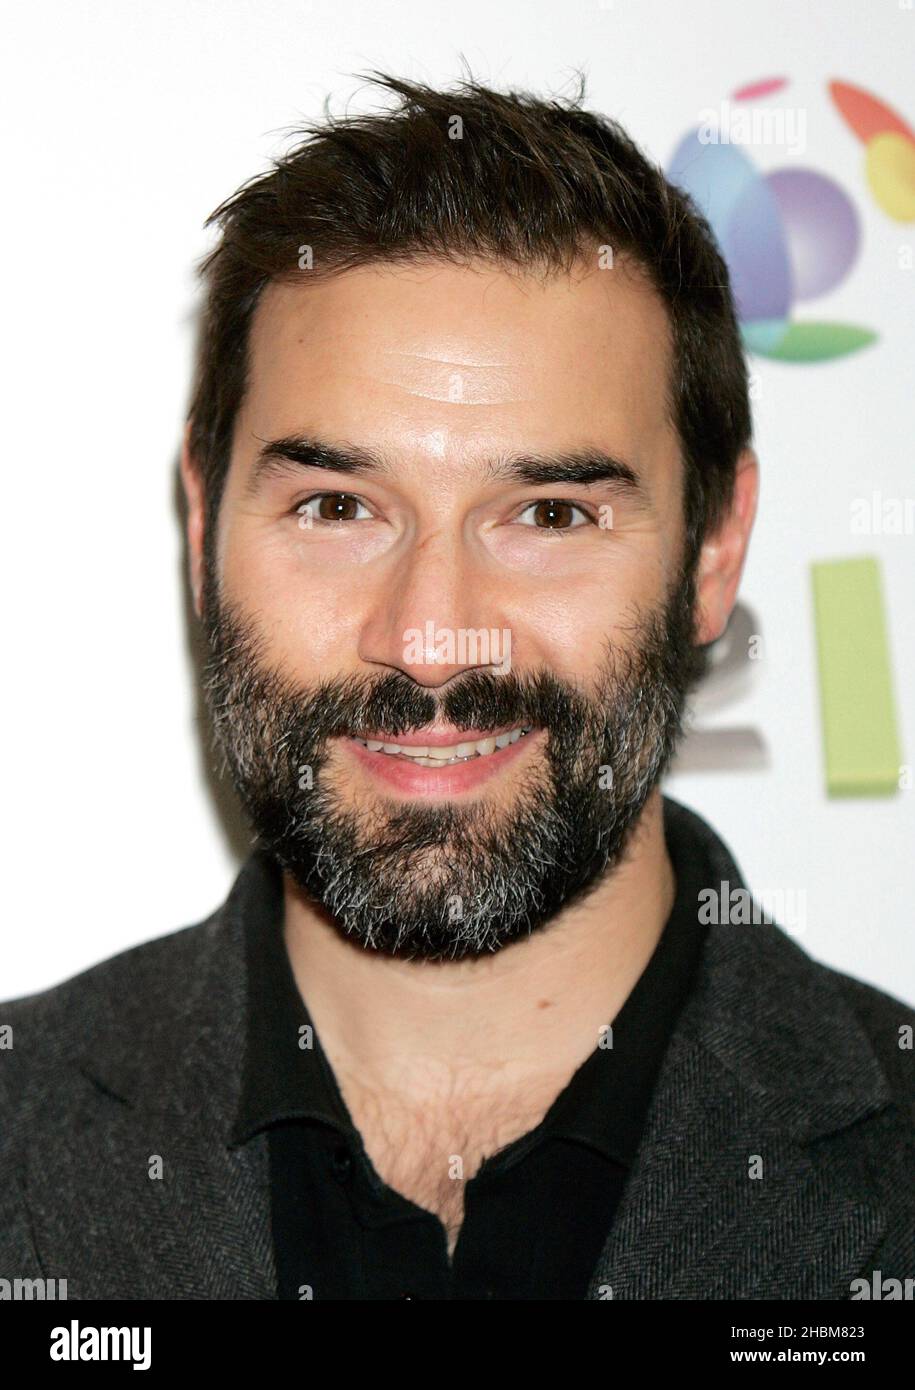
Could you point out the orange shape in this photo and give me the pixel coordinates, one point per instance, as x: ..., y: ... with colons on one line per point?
x: 866, y: 115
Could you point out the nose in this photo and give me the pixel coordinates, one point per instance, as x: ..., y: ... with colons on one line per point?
x: 436, y: 616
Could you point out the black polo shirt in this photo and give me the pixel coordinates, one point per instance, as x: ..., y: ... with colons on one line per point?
x: 536, y: 1213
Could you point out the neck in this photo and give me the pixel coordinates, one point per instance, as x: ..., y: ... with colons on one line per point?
x: 528, y: 1012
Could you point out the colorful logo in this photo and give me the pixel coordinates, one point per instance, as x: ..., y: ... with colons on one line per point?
x: 792, y: 235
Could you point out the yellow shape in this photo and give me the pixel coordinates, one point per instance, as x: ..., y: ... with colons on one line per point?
x: 890, y: 166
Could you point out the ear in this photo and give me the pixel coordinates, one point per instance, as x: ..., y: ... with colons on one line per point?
x: 723, y: 552
x: 194, y: 492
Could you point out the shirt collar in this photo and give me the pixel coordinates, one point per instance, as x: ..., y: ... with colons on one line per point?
x: 287, y: 1075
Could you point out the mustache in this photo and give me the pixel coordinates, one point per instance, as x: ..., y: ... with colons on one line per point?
x: 238, y: 673
x: 394, y: 704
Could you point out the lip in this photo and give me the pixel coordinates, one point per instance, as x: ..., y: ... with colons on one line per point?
x: 399, y: 775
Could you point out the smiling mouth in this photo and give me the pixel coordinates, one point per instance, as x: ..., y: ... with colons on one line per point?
x: 438, y: 756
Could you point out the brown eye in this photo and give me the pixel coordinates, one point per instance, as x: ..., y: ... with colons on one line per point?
x: 330, y: 507
x: 337, y: 506
x: 553, y: 514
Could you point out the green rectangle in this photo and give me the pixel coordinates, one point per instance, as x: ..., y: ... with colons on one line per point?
x: 860, y: 731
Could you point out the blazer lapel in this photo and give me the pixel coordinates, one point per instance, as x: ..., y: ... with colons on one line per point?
x: 150, y: 1176
x: 729, y: 1197
x: 201, y: 1231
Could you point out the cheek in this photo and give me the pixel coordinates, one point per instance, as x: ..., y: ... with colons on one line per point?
x: 565, y: 620
x: 566, y: 635
x: 303, y: 596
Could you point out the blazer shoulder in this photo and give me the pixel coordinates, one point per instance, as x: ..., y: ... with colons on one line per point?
x: 47, y: 1031
x: 889, y: 1023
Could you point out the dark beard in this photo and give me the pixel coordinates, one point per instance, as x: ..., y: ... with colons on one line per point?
x: 451, y: 881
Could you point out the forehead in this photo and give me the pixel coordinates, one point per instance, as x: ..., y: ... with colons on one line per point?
x: 463, y: 354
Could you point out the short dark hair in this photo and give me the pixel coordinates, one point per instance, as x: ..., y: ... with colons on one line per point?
x: 470, y: 172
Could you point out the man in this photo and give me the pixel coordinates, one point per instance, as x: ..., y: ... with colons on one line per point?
x: 470, y: 489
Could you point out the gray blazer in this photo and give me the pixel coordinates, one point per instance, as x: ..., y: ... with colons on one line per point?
x: 774, y: 1058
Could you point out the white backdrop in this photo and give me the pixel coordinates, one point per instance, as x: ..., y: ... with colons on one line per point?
x: 125, y: 123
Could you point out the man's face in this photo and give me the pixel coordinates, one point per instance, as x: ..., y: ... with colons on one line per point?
x: 505, y: 557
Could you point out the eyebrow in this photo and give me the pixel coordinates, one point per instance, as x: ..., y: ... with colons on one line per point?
x: 584, y: 467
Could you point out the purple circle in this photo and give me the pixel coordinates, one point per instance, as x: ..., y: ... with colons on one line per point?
x: 821, y: 229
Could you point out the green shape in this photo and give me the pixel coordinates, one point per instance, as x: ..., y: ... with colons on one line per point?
x: 813, y: 342
x: 860, y: 733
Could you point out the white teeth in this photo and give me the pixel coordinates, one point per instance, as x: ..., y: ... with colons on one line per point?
x: 441, y: 757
